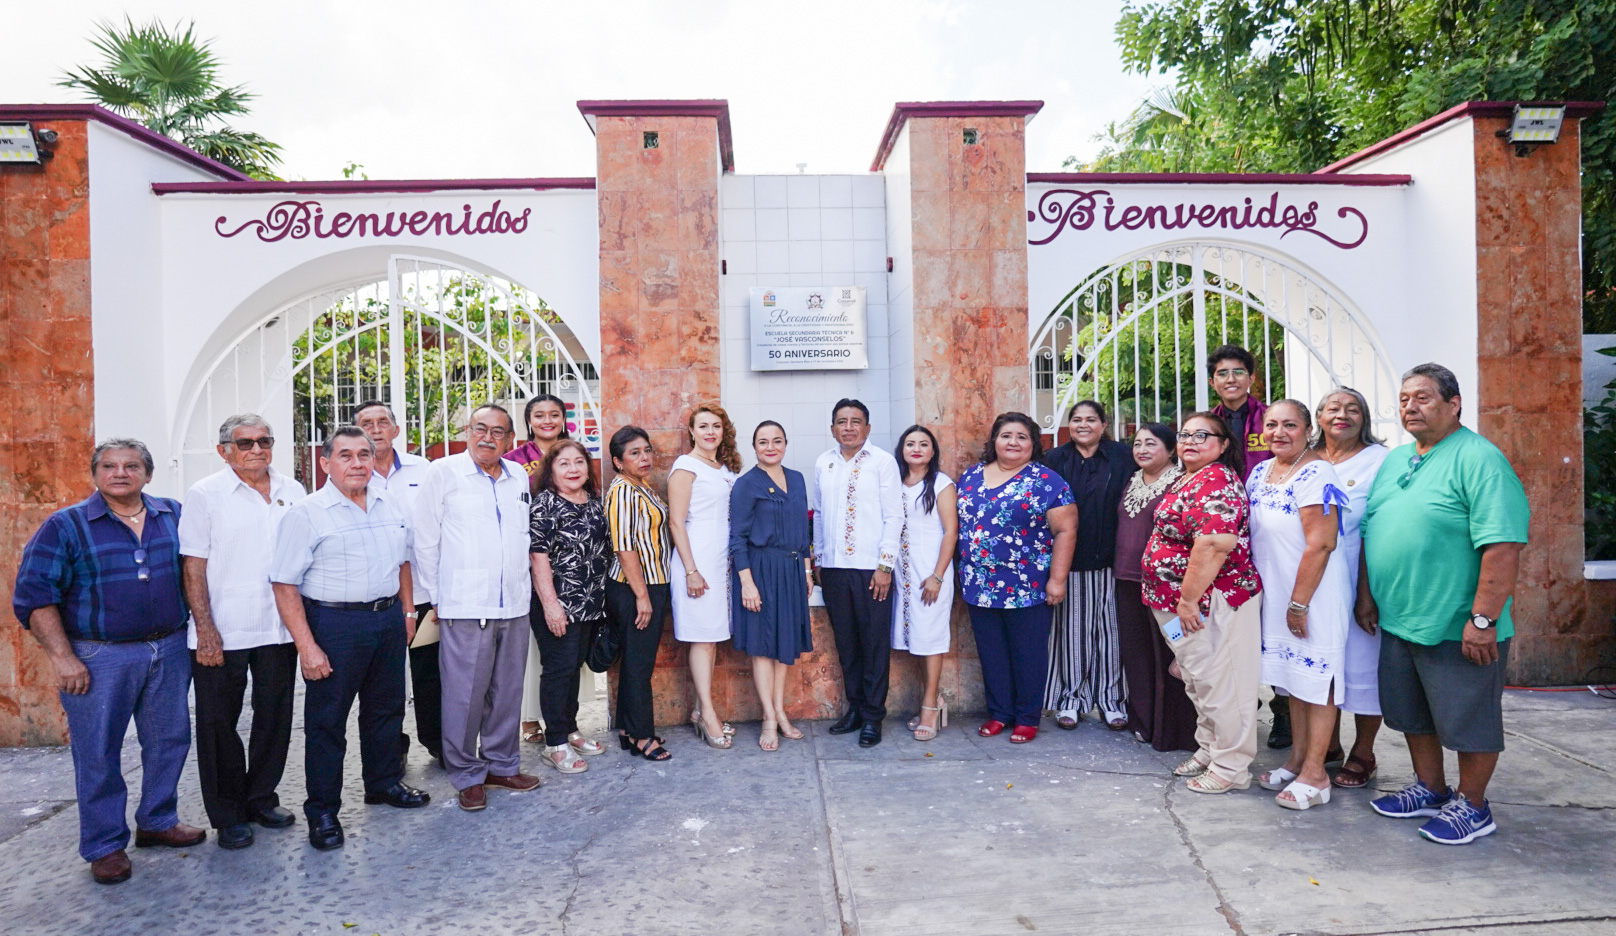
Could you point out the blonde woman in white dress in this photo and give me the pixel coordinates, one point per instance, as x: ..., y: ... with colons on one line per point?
x: 698, y: 504
x: 923, y: 581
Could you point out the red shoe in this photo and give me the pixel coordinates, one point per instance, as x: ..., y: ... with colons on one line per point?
x: 1023, y: 734
x: 990, y: 728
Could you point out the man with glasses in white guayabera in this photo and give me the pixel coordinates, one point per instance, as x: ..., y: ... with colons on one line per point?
x: 227, y: 536
x: 471, y: 563
x: 1442, y: 537
x: 99, y: 586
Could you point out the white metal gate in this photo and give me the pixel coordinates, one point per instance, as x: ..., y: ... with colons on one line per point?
x: 1135, y: 335
x: 432, y: 340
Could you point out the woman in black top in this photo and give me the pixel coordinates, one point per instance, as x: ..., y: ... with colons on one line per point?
x: 570, y: 555
x: 1085, y: 668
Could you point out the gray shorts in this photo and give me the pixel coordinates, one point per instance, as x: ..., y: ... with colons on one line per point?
x: 1435, y: 690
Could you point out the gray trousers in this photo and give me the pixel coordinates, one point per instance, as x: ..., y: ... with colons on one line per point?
x: 483, y: 663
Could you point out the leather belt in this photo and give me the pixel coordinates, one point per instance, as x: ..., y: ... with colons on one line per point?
x: 380, y: 604
x: 159, y: 635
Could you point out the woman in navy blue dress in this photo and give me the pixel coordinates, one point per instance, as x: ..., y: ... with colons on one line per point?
x: 768, y: 544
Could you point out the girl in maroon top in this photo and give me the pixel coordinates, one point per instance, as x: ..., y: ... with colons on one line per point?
x: 1198, y: 580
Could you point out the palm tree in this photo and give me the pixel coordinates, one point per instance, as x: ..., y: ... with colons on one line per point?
x: 168, y: 80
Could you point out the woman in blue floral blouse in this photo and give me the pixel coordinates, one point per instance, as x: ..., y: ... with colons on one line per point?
x: 1017, y: 529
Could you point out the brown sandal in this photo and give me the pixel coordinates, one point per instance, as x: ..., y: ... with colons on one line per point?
x: 1355, y: 773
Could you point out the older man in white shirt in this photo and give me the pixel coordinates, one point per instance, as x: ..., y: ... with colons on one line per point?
x: 858, y: 516
x: 401, y: 474
x: 471, y: 558
x: 341, y: 574
x: 227, y: 538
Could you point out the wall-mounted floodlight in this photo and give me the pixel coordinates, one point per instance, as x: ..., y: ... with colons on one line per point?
x: 17, y: 145
x: 1534, y: 125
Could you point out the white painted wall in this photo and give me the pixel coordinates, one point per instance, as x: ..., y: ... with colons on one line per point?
x: 901, y: 283
x: 171, y: 292
x: 803, y: 230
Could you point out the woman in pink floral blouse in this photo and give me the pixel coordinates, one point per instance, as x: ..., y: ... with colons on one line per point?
x: 1200, y: 583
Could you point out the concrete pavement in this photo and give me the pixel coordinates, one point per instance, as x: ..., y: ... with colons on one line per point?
x: 1079, y: 832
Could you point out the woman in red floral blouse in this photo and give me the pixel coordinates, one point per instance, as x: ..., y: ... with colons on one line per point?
x: 1199, y: 582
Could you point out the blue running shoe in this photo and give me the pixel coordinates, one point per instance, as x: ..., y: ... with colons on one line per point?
x: 1416, y: 799
x: 1460, y: 822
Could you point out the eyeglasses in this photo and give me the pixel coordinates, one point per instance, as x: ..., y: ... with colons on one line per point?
x: 247, y: 445
x: 141, y: 571
x: 1236, y: 373
x: 492, y: 432
x: 1199, y: 436
x: 1414, y: 463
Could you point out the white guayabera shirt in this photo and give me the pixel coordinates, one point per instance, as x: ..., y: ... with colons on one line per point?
x: 472, y: 540
x: 858, y: 509
x: 228, y: 523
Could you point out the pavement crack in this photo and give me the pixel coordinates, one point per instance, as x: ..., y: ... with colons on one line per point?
x: 1152, y: 774
x: 1471, y: 926
x: 1500, y: 802
x: 1230, y: 915
x: 1553, y: 749
x: 574, y: 860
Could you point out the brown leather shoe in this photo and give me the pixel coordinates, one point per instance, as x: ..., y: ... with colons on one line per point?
x: 179, y: 835
x: 516, y: 783
x: 111, y: 869
x: 473, y: 798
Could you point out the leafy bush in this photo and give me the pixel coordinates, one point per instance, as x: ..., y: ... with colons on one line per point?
x: 1599, y: 478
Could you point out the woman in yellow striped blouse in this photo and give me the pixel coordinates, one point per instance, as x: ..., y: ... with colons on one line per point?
x: 637, y: 594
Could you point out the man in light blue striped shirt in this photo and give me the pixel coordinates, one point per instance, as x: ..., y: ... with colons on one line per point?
x: 341, y: 574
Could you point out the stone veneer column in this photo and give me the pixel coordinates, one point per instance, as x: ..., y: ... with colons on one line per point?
x: 659, y: 306
x: 1529, y: 348
x: 47, y: 382
x: 968, y: 223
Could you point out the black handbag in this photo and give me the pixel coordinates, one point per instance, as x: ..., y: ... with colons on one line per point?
x: 603, y: 645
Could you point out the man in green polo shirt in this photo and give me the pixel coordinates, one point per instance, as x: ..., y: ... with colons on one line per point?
x: 1442, y: 532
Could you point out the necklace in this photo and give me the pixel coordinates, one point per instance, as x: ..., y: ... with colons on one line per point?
x: 710, y: 462
x: 127, y: 517
x: 1339, y: 458
x: 1288, y: 468
x: 1140, y: 493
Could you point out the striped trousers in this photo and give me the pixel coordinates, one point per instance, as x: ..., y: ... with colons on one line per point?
x: 1085, y: 663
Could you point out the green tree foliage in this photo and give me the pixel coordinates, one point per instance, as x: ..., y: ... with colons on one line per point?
x: 168, y: 80
x: 1599, y: 478
x: 1291, y: 86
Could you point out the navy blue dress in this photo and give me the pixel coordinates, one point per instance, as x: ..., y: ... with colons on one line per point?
x: 768, y: 533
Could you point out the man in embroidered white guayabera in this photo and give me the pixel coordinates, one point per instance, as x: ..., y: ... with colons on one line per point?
x: 858, y: 516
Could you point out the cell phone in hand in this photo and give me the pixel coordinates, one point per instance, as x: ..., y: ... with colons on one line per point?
x: 1173, y: 630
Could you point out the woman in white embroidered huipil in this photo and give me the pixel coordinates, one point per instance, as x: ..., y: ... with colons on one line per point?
x: 1296, y: 503
x: 923, y: 580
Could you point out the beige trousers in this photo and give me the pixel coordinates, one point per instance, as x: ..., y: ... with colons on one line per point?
x: 1222, y: 667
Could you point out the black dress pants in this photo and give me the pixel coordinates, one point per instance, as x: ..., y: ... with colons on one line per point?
x: 366, y: 651
x: 863, y: 629
x: 635, y: 713
x: 238, y: 782
x: 427, y: 688
x: 561, y: 662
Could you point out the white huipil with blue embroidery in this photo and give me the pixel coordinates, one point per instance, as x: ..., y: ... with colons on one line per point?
x: 1306, y: 667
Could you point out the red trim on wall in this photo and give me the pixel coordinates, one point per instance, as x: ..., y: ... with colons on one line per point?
x: 903, y: 110
x: 37, y: 113
x: 364, y: 186
x: 716, y: 108
x: 1575, y: 110
x: 1218, y: 178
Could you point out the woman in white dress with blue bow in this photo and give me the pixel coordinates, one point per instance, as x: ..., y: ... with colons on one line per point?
x: 1296, y: 503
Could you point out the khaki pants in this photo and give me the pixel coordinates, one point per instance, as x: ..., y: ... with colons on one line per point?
x: 1222, y: 668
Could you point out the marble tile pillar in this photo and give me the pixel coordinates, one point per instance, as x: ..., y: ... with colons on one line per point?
x: 47, y: 380
x: 1529, y: 330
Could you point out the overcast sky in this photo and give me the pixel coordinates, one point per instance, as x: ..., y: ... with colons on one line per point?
x: 417, y: 90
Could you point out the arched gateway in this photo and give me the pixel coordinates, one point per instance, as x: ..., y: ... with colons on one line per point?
x: 1135, y: 333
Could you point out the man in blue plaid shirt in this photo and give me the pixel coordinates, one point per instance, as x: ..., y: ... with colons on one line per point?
x: 99, y: 586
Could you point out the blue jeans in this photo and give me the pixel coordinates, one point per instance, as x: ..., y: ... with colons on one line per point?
x: 147, y: 680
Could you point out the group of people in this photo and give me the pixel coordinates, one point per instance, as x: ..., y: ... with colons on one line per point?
x: 1097, y: 579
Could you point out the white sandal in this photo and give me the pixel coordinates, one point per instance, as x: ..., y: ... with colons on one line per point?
x: 1192, y: 766
x: 1303, y: 795
x: 586, y: 746
x: 562, y: 758
x: 1276, y: 779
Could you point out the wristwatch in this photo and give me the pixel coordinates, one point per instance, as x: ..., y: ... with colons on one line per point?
x: 1482, y: 621
x: 883, y: 567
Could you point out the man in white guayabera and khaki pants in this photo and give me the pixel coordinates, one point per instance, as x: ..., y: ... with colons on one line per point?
x: 471, y: 550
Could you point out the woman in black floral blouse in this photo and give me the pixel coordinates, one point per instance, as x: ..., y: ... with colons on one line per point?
x: 570, y: 555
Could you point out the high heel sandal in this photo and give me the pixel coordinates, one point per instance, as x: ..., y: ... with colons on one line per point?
x: 794, y: 733
x: 726, y: 727
x: 764, y: 742
x: 723, y: 742
x: 660, y: 754
x: 924, y: 732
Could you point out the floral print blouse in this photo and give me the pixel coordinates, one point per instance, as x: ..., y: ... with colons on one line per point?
x: 1005, y: 542
x: 574, y: 536
x: 1212, y: 501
